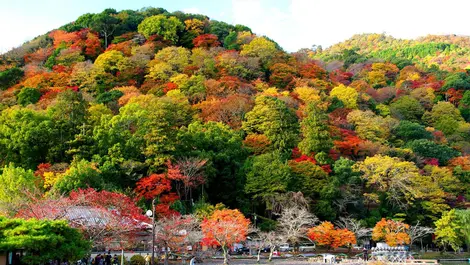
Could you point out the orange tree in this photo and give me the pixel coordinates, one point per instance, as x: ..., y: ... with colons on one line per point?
x: 326, y: 234
x: 392, y: 232
x: 224, y: 228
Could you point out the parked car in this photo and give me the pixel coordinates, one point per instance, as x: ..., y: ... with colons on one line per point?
x: 242, y: 250
x: 266, y: 249
x: 307, y: 247
x: 285, y: 247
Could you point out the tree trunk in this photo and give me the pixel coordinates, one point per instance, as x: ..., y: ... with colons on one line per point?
x: 259, y: 253
x: 271, y: 254
x: 224, y: 248
x: 105, y: 39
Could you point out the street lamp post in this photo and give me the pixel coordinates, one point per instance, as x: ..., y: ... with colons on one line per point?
x: 151, y: 213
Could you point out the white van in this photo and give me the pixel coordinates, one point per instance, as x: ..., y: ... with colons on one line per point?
x: 307, y: 247
x: 284, y: 247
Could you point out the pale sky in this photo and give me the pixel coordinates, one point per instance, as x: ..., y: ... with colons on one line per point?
x: 294, y: 24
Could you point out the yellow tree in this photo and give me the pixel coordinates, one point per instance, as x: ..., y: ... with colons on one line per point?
x: 390, y: 176
x: 347, y: 95
x: 308, y: 94
x: 370, y: 126
x: 260, y: 47
x: 112, y: 62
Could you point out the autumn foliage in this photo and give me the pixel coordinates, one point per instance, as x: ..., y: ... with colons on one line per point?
x: 115, y: 215
x: 206, y: 41
x: 224, y: 228
x: 187, y: 111
x: 392, y: 232
x: 326, y: 234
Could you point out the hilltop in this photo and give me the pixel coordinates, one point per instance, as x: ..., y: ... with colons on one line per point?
x: 132, y: 101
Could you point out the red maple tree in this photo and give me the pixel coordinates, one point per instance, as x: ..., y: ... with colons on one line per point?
x: 224, y: 228
x: 102, y: 216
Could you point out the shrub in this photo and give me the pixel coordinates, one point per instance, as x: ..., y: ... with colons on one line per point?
x: 28, y: 96
x: 137, y: 260
x: 10, y: 77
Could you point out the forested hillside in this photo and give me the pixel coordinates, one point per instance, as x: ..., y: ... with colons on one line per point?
x: 195, y: 111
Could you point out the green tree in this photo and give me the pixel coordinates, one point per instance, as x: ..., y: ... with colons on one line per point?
x: 448, y: 230
x: 15, y: 182
x: 407, y: 108
x: 67, y: 113
x: 28, y: 96
x: 84, y: 21
x: 10, y: 77
x: 167, y: 27
x: 273, y: 118
x: 408, y: 131
x: 308, y: 178
x: 464, y: 221
x: 429, y: 149
x: 222, y: 148
x: 464, y: 105
x: 109, y: 96
x: 81, y: 174
x: 343, y: 171
x: 458, y: 80
x: 444, y: 116
x: 266, y: 175
x: 315, y: 132
x: 26, y: 137
x: 230, y: 41
x: 194, y: 88
x: 145, y: 128
x: 42, y: 240
x: 220, y: 29
x: 105, y: 23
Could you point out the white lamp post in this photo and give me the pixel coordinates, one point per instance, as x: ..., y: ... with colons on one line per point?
x: 150, y: 213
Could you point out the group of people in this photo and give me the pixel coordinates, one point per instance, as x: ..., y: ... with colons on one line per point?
x: 102, y: 259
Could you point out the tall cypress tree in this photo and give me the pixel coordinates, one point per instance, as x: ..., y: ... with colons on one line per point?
x: 314, y: 128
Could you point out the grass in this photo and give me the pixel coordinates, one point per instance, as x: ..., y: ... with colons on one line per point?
x: 443, y: 255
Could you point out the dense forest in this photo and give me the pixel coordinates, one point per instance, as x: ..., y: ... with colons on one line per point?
x: 197, y: 112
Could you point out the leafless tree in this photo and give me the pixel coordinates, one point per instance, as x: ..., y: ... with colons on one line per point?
x: 294, y: 222
x: 194, y: 234
x: 354, y: 226
x: 191, y: 168
x: 278, y: 202
x: 416, y: 232
x: 171, y: 232
x: 271, y: 240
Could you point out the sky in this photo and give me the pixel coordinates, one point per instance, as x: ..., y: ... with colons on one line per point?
x: 294, y: 24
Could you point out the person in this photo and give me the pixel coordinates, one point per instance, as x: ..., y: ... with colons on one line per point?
x: 147, y: 259
x: 98, y: 259
x: 115, y: 260
x: 107, y: 260
x: 365, y: 254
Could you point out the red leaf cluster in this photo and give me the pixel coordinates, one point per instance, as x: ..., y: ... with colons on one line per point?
x: 206, y: 41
